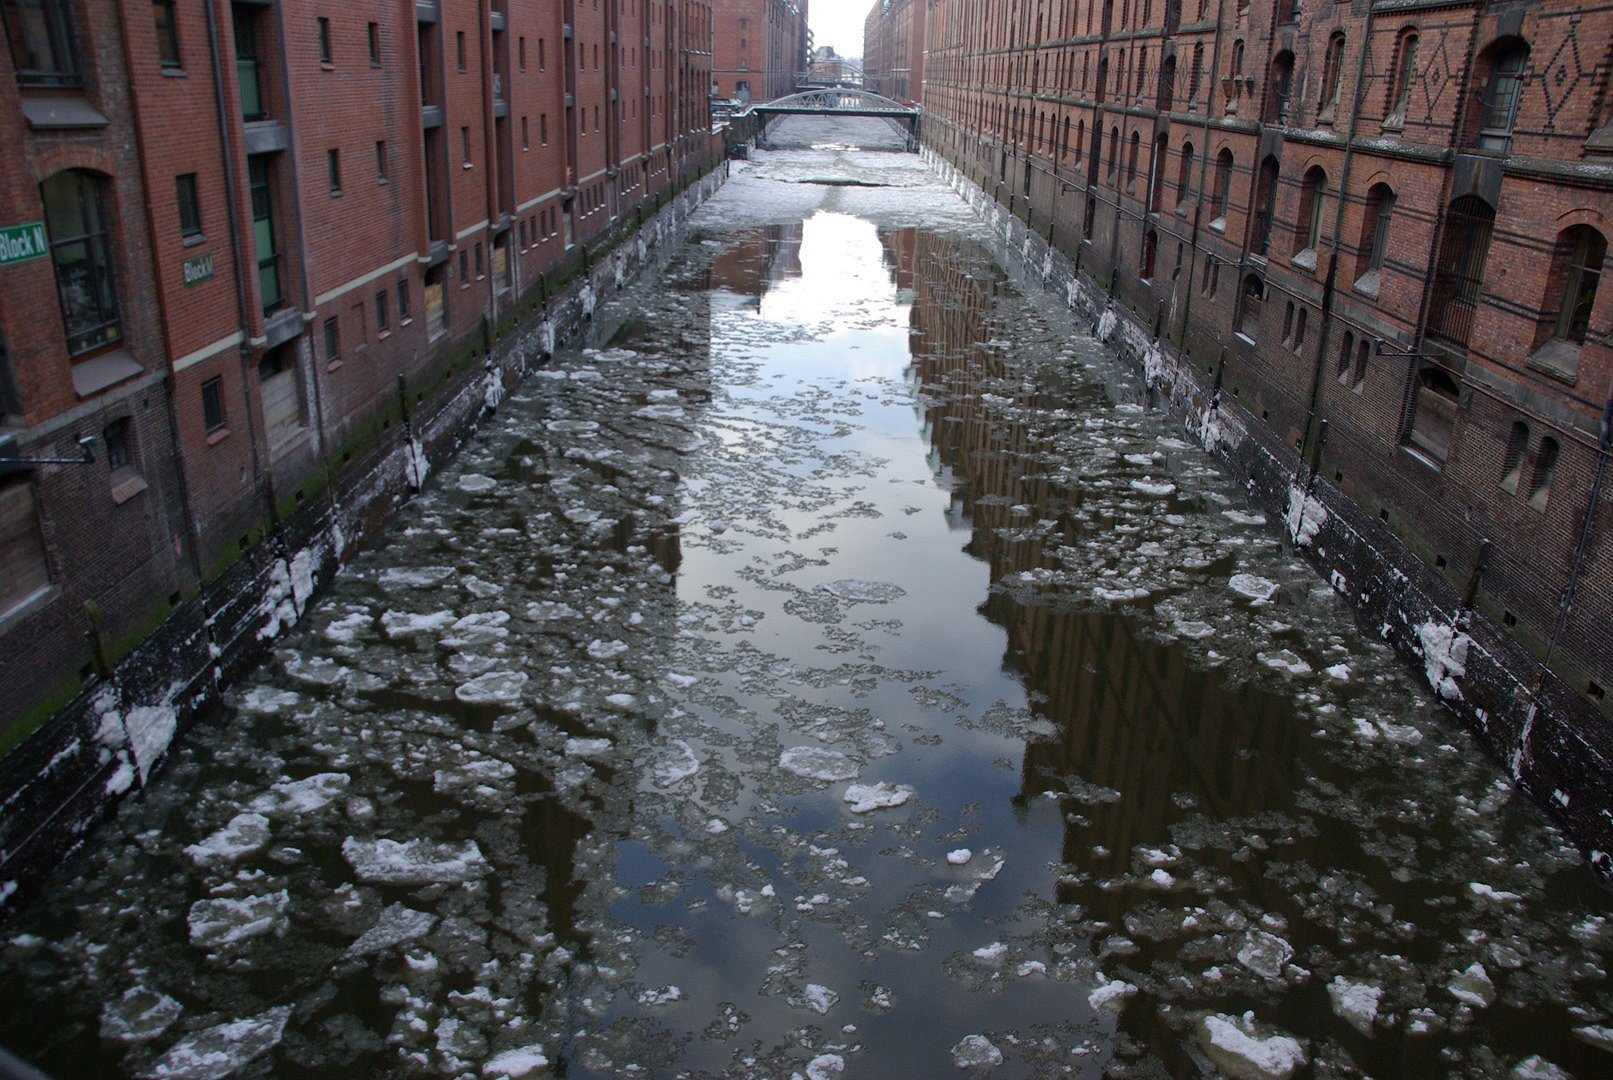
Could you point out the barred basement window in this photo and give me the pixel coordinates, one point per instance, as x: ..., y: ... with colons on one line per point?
x: 116, y: 437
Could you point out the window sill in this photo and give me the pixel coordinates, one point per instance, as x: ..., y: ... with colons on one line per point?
x: 326, y: 65
x: 1425, y: 457
x: 336, y: 193
x: 101, y: 372
x: 383, y: 335
x: 1245, y: 338
x: 466, y: 165
x: 193, y: 240
x: 217, y: 436
x: 1305, y: 258
x: 174, y: 73
x: 1367, y: 284
x: 334, y: 365
x: 1557, y: 358
x: 382, y: 181
x: 127, y: 488
x: 1219, y: 224
x: 26, y: 606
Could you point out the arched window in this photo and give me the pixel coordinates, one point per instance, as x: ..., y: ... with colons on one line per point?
x: 1254, y: 299
x: 1545, y: 471
x: 1405, y: 66
x: 1308, y: 224
x: 1577, y: 265
x: 1433, y: 423
x: 1332, y: 78
x: 1459, y: 271
x: 1375, y: 237
x: 1346, y: 354
x: 1265, y: 206
x: 1156, y: 173
x: 1184, y: 178
x: 1150, y: 253
x: 1195, y: 77
x: 1282, y: 79
x: 1114, y: 151
x: 76, y: 222
x: 1501, y: 93
x: 1512, y: 464
x: 1167, y: 84
x: 1131, y: 158
x: 1223, y: 187
x: 1080, y: 139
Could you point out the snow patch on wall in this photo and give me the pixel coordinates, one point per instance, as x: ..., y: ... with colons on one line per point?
x: 1444, y: 650
x: 1305, y: 515
x: 416, y: 464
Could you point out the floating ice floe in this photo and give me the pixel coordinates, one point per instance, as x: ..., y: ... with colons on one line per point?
x: 825, y: 1066
x: 413, y: 862
x: 244, y: 834
x: 222, y: 1049
x: 975, y: 1051
x: 1111, y: 995
x: 866, y: 592
x: 1472, y: 986
x: 817, y: 763
x: 1355, y: 1003
x: 1154, y: 487
x: 227, y: 921
x: 676, y: 763
x: 587, y: 748
x: 1258, y: 589
x: 1240, y: 1051
x: 515, y: 1064
x: 396, y: 925
x: 140, y: 1015
x: 476, y: 483
x: 660, y: 995
x: 293, y: 798
x: 959, y: 856
x: 404, y: 624
x: 493, y: 688
x: 1265, y: 954
x: 815, y: 997
x: 1535, y: 1067
x: 880, y: 796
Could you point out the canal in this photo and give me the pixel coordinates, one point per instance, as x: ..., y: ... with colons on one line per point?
x: 838, y: 670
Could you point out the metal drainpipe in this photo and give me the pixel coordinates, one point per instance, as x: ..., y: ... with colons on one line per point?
x: 1329, y: 289
x: 232, y: 194
x: 1606, y: 436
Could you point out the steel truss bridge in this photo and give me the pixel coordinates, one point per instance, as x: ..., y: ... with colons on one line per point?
x: 840, y: 102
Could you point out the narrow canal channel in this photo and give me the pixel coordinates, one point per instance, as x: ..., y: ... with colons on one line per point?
x: 839, y: 671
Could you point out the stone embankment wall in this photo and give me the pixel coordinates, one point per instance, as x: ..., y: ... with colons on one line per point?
x: 109, y: 742
x: 1554, y: 744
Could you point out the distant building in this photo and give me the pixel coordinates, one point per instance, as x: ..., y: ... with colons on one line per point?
x: 759, y: 47
x: 827, y: 67
x: 229, y: 230
x: 894, y: 49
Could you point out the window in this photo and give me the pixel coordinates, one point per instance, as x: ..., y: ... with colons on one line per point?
x: 1433, y: 423
x: 464, y: 268
x: 324, y: 41
x: 520, y: 53
x: 1459, y: 270
x: 333, y: 340
x: 541, y: 65
x: 190, y: 205
x: 1131, y: 159
x: 333, y: 164
x: 1266, y: 206
x: 1184, y: 179
x: 374, y: 33
x: 1312, y: 194
x: 76, y: 223
x: 1512, y: 464
x: 1501, y: 94
x: 380, y: 161
x: 464, y: 146
x: 526, y: 144
x: 478, y: 261
x: 459, y: 49
x: 1400, y: 85
x: 1346, y: 353
x: 383, y: 317
x: 22, y: 551
x: 42, y: 46
x: 1332, y: 78
x: 116, y: 437
x: 1282, y: 78
x: 1114, y: 152
x: 543, y: 129
x: 1254, y: 299
x: 1150, y: 255
x: 167, y: 33
x: 213, y: 404
x: 1545, y: 471
x: 1223, y: 187
x: 247, y: 75
x: 362, y: 336
x: 1585, y: 249
x: 263, y: 232
x: 1375, y: 236
x: 1195, y: 76
x: 403, y: 302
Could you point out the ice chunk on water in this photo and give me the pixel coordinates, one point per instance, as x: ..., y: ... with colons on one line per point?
x: 1111, y: 995
x: 677, y: 763
x: 413, y: 862
x: 244, y: 834
x: 222, y: 1049
x: 959, y: 856
x: 293, y: 798
x: 991, y: 954
x: 880, y: 796
x: 1597, y: 1036
x: 1356, y: 1003
x: 606, y: 650
x: 587, y: 748
x: 816, y: 997
x: 476, y: 483
x: 396, y: 925
x: 1265, y: 954
x: 1285, y: 660
x: 1154, y: 487
x: 868, y: 592
x: 227, y: 921
x: 514, y: 1064
x: 406, y: 624
x: 1536, y: 1067
x: 825, y: 1066
x: 660, y: 995
x: 493, y: 688
x: 974, y: 1051
x: 140, y: 1015
x: 1256, y: 588
x: 817, y: 763
x: 1241, y: 1052
x: 1472, y: 987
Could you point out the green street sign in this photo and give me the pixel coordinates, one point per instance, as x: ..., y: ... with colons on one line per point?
x: 198, y: 269
x: 19, y: 243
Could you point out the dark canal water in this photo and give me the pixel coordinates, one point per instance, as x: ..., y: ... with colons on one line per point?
x: 841, y: 671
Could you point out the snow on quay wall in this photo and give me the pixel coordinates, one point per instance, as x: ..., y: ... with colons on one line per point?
x: 109, y: 742
x: 1554, y: 744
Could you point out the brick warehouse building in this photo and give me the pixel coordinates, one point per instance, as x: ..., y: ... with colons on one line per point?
x: 232, y: 228
x: 759, y: 49
x: 894, y: 43
x: 1379, y: 226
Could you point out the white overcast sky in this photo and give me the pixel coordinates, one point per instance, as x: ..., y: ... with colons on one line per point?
x: 839, y: 23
